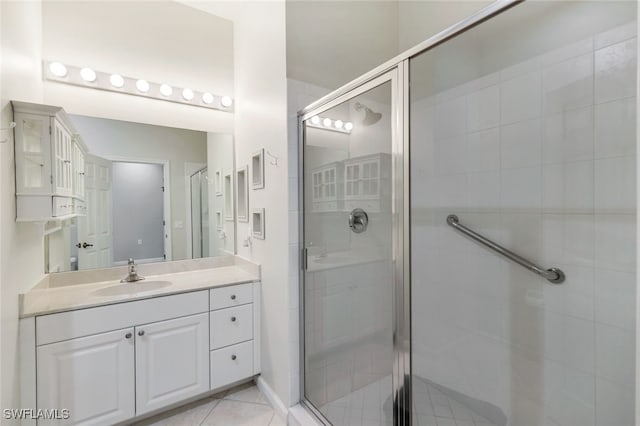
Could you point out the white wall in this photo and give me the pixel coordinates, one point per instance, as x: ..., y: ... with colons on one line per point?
x: 219, y: 157
x: 260, y: 122
x: 22, y: 252
x: 22, y: 262
x: 179, y: 45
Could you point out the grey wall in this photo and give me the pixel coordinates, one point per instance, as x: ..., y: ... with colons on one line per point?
x: 137, y: 187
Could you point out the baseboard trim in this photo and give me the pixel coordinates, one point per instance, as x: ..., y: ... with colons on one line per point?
x: 273, y: 398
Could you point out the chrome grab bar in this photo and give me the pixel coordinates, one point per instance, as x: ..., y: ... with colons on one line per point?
x: 553, y: 275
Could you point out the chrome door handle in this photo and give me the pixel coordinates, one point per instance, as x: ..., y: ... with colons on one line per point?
x: 358, y: 220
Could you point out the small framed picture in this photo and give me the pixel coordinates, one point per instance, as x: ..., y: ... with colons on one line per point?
x: 257, y: 170
x: 218, y: 182
x: 257, y: 223
x: 242, y: 194
x: 228, y: 196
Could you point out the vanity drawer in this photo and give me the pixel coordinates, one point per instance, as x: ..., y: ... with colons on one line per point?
x: 62, y: 206
x: 233, y: 295
x: 230, y: 364
x: 84, y: 322
x: 231, y: 325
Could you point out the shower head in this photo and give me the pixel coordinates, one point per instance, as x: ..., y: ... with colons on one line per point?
x: 370, y: 117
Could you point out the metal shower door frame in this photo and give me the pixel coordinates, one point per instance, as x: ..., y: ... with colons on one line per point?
x: 401, y: 332
x: 395, y: 70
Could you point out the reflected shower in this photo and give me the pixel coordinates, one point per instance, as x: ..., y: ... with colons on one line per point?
x: 370, y: 116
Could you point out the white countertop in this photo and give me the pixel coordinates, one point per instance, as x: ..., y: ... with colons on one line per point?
x: 47, y: 300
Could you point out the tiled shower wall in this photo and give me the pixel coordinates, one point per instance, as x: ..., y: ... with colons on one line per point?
x: 539, y: 157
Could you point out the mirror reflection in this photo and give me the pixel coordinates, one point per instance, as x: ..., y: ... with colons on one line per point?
x: 152, y: 193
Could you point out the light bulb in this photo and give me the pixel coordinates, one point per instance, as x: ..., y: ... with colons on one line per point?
x: 88, y: 75
x: 116, y: 80
x: 207, y: 98
x: 166, y: 90
x: 58, y: 69
x: 348, y: 125
x: 142, y: 86
x: 315, y: 120
x: 226, y: 101
x: 326, y: 122
x: 187, y: 94
x: 338, y: 124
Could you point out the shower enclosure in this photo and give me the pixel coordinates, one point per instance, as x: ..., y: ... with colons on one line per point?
x: 469, y: 227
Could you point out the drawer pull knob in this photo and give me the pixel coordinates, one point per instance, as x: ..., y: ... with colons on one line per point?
x: 233, y: 297
x: 141, y: 333
x: 127, y: 336
x: 233, y: 319
x: 233, y: 357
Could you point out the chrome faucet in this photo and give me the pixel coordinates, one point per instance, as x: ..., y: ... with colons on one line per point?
x: 133, y: 275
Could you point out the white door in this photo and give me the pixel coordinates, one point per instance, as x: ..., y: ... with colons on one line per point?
x: 95, y: 230
x: 172, y: 361
x: 92, y: 377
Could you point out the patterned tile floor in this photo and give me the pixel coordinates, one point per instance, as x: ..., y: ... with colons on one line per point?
x: 370, y: 406
x: 244, y: 405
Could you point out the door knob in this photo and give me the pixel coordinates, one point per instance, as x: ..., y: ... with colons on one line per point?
x: 233, y: 357
x: 358, y: 220
x: 84, y: 245
x: 233, y: 297
x: 233, y: 319
x: 141, y: 333
x: 127, y: 336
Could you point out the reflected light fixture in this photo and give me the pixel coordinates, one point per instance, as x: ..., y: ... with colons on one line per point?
x: 187, y: 94
x: 166, y: 90
x: 226, y: 101
x: 142, y: 86
x: 58, y: 69
x: 207, y: 98
x: 116, y: 80
x: 326, y: 123
x: 88, y: 74
x: 113, y: 82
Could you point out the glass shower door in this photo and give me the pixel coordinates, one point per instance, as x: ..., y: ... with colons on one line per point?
x: 524, y: 127
x: 349, y: 244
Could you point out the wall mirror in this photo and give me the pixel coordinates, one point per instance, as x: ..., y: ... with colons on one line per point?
x: 152, y: 193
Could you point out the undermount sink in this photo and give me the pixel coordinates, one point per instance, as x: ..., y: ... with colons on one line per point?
x: 131, y: 288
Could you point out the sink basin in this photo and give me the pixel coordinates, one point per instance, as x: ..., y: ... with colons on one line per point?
x: 131, y: 288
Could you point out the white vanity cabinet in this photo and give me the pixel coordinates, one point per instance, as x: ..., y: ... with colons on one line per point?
x: 92, y: 377
x: 46, y: 157
x: 111, y: 363
x: 171, y: 361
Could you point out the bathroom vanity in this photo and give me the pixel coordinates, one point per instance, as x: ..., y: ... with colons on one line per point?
x: 110, y: 351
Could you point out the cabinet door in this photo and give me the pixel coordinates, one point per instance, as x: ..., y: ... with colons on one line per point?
x: 78, y: 172
x: 33, y: 150
x: 92, y: 377
x: 172, y: 361
x: 61, y: 155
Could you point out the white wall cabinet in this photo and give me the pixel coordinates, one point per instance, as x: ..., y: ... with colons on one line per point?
x: 112, y: 363
x: 49, y: 163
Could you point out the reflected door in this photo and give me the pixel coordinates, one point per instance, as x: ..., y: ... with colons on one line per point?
x: 350, y: 252
x: 95, y: 236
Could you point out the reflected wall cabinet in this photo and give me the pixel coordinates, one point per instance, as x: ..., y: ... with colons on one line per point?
x: 49, y: 163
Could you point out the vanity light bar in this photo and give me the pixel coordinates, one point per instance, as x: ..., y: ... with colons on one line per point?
x: 326, y: 123
x: 88, y: 77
